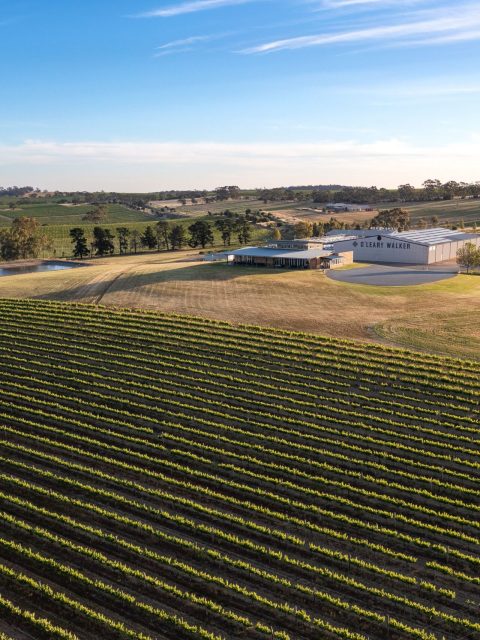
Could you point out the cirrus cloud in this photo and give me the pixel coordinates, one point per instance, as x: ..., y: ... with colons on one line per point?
x: 190, y: 7
x: 451, y: 24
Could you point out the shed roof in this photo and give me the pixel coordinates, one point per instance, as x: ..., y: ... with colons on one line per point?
x: 426, y: 237
x: 274, y: 252
x: 430, y: 237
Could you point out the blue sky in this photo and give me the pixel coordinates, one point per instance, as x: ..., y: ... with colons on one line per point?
x: 156, y: 94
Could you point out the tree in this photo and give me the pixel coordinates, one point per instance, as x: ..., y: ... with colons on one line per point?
x: 303, y: 230
x: 450, y: 189
x: 468, y: 257
x: 123, y: 233
x: 200, y: 234
x: 134, y: 239
x: 103, y: 241
x: 80, y: 246
x: 406, y: 192
x: 318, y: 229
x: 333, y: 224
x: 24, y: 239
x: 227, y: 193
x: 148, y: 238
x: 435, y: 221
x: 177, y: 237
x: 96, y: 215
x: 392, y: 218
x: 162, y: 231
x: 244, y: 231
x: 433, y: 189
x: 8, y: 249
x: 226, y: 226
x: 321, y: 197
x: 277, y: 235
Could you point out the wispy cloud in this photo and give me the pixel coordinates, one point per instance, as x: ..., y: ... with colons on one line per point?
x: 191, y: 6
x: 179, y: 46
x: 185, y: 42
x: 455, y: 24
x: 335, y: 4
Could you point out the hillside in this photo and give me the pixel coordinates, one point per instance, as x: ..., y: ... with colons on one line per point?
x: 438, y: 318
x: 449, y: 212
x: 173, y: 477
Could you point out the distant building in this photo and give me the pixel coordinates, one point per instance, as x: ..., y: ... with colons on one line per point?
x: 343, y: 207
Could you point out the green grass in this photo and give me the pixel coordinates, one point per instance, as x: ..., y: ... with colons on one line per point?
x: 455, y: 332
x: 57, y: 220
x: 61, y: 245
x: 55, y: 214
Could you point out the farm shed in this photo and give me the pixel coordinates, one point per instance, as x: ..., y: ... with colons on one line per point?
x: 422, y: 246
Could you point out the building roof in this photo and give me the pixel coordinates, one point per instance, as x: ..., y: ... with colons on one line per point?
x: 425, y: 237
x: 274, y: 252
x: 301, y: 240
x: 347, y: 234
x: 430, y: 237
x: 338, y: 238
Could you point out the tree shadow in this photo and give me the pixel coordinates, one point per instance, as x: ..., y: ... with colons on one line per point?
x: 131, y: 280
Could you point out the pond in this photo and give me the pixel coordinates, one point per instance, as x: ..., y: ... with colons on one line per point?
x: 36, y: 268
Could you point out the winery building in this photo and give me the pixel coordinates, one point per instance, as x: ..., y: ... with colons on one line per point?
x: 300, y: 257
x: 420, y: 247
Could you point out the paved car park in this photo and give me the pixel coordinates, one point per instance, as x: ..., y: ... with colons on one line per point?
x: 382, y: 275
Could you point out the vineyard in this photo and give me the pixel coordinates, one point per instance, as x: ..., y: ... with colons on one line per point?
x: 170, y: 477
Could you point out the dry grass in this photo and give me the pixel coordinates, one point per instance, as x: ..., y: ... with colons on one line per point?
x: 442, y: 317
x: 294, y: 215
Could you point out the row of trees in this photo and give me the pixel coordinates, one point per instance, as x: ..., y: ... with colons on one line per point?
x: 304, y: 229
x: 232, y: 224
x: 16, y: 191
x: 161, y: 236
x: 395, y: 218
x: 431, y: 190
x: 398, y: 219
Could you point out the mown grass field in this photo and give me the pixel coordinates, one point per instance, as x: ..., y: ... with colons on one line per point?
x: 171, y: 477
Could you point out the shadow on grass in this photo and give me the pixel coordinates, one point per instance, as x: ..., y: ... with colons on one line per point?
x: 132, y: 280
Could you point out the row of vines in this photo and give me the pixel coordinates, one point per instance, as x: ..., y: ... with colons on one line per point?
x: 171, y: 477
